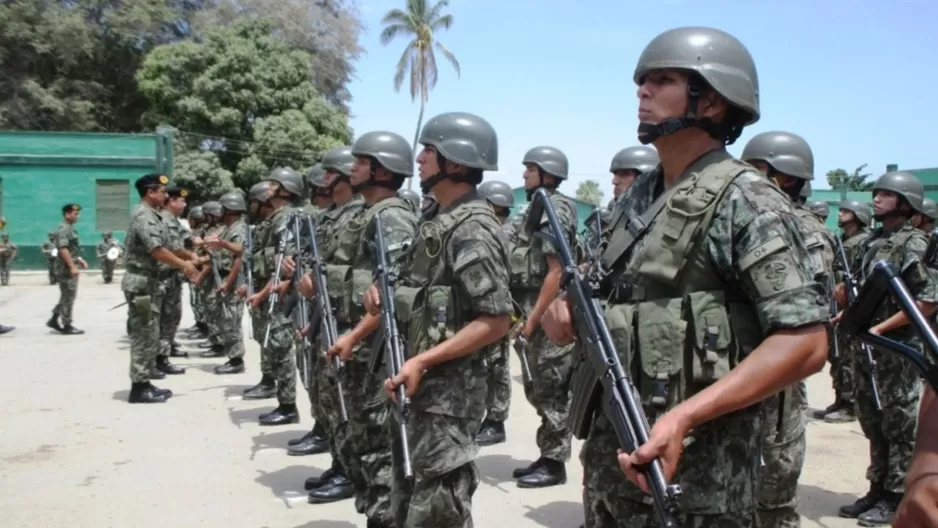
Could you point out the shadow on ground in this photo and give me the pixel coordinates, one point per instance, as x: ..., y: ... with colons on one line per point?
x: 817, y: 503
x: 495, y: 470
x: 557, y: 514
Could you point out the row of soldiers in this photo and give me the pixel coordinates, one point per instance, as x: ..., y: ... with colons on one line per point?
x: 715, y: 280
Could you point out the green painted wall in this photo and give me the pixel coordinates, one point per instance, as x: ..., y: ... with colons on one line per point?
x: 42, y: 171
x: 583, y: 209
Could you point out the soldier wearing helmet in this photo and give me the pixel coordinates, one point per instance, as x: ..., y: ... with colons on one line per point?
x: 925, y: 221
x: 628, y: 164
x: 212, y: 213
x: 674, y: 271
x: 197, y: 228
x: 897, y: 197
x: 177, y: 240
x: 101, y: 252
x: 501, y: 198
x: 787, y: 160
x: 535, y: 281
x: 426, y: 202
x: 459, y: 248
x: 273, y: 239
x: 411, y: 198
x: 320, y: 193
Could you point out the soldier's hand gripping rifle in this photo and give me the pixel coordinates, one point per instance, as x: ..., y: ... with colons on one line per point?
x: 851, y: 285
x: 300, y: 303
x: 614, y: 387
x: 389, y: 340
x: 216, y: 277
x: 521, y: 348
x: 324, y: 311
x: 274, y: 296
x: 883, y: 281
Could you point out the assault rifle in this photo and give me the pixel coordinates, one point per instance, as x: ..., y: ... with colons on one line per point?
x: 389, y: 340
x: 851, y: 285
x: 521, y: 348
x: 300, y: 304
x: 247, y: 261
x: 274, y: 296
x: 216, y: 277
x: 602, y: 374
x: 885, y: 280
x: 323, y: 313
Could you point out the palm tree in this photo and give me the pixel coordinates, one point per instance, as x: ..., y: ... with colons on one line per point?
x: 588, y: 191
x: 418, y: 24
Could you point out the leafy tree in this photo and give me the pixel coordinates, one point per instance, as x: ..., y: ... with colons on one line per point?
x: 838, y: 179
x: 200, y: 172
x: 418, y: 23
x: 244, y: 95
x: 588, y: 191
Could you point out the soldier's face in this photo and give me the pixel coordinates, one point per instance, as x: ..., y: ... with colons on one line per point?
x: 622, y: 180
x: 662, y: 95
x: 330, y: 176
x: 72, y: 216
x: 361, y: 170
x: 176, y: 205
x: 844, y: 217
x: 427, y: 163
x: 884, y: 202
x: 531, y: 176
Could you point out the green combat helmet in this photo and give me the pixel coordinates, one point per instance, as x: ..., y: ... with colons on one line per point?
x: 339, y: 159
x: 462, y: 138
x: 905, y: 185
x: 642, y: 159
x: 390, y: 150
x: 211, y: 208
x: 930, y: 208
x: 288, y: 179
x: 818, y: 208
x: 411, y: 197
x: 550, y: 160
x: 785, y: 152
x: 233, y: 201
x: 805, y: 190
x: 721, y: 60
x: 862, y: 211
x: 196, y: 213
x: 498, y: 193
x: 316, y: 176
x: 258, y: 192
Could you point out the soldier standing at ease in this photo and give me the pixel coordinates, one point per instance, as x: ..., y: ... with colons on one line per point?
x: 229, y: 246
x: 107, y: 265
x: 628, y: 164
x: 853, y: 218
x: 454, y: 285
x: 710, y: 325
x: 501, y: 198
x: 411, y: 198
x: 146, y: 250
x: 8, y: 251
x: 175, y: 239
x: 196, y: 231
x: 925, y: 221
x: 49, y: 250
x: 66, y: 240
x: 535, y: 281
x: 897, y: 196
x: 208, y: 292
x: 320, y: 196
x: 787, y: 160
x: 284, y: 187
x: 818, y: 208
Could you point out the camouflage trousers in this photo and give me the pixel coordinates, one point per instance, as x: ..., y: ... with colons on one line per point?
x: 68, y: 290
x: 53, y: 277
x: 549, y: 393
x: 279, y: 352
x: 362, y: 443
x: 610, y: 500
x: 258, y: 323
x: 5, y: 271
x: 842, y: 367
x: 143, y: 323
x: 107, y: 270
x: 783, y: 451
x: 891, y: 432
x: 323, y: 397
x: 195, y: 302
x: 211, y: 310
x: 230, y: 317
x: 442, y: 450
x: 170, y: 313
x: 498, y: 398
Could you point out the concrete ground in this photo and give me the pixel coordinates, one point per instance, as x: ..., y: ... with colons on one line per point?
x: 74, y: 453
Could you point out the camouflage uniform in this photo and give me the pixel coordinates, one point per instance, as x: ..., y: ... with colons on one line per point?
x: 66, y: 237
x: 46, y: 249
x: 208, y: 294
x: 498, y: 399
x: 171, y: 308
x: 842, y: 368
x: 7, y: 249
x: 231, y: 311
x: 260, y: 274
x: 107, y: 266
x: 195, y: 298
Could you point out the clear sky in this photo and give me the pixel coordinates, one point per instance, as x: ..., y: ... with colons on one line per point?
x: 856, y: 78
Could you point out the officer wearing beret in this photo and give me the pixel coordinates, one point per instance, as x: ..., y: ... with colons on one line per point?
x: 66, y: 240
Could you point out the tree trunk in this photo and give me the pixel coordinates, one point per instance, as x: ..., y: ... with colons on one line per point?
x: 410, y: 181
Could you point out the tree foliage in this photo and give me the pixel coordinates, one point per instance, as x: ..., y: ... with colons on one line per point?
x: 838, y: 179
x: 244, y: 95
x: 588, y: 191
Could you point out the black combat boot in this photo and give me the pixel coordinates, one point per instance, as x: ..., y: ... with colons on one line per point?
x: 164, y: 366
x: 215, y: 351
x: 317, y: 430
x: 232, y: 366
x: 284, y: 414
x: 883, y: 512
x: 531, y: 468
x: 176, y: 352
x: 267, y: 388
x: 337, y: 488
x: 312, y: 443
x: 53, y: 323
x: 845, y: 414
x: 490, y: 433
x: 549, y: 473
x: 821, y: 413
x: 156, y: 373
x: 864, y: 503
x: 145, y: 393
x: 71, y: 330
x: 315, y: 482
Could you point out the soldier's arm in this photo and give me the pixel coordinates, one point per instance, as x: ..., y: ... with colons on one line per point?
x: 153, y: 239
x: 481, y: 276
x: 61, y: 242
x: 754, y: 242
x: 921, y: 282
x: 551, y: 285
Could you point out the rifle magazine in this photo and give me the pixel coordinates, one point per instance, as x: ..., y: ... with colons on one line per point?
x: 585, y: 399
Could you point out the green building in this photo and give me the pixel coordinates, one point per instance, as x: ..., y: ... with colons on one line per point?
x: 583, y: 209
x: 928, y: 177
x: 42, y: 171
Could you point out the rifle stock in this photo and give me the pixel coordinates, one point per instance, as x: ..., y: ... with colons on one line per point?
x: 617, y: 395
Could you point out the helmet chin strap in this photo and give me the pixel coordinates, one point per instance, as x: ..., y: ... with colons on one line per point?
x: 530, y: 192
x: 372, y: 182
x: 649, y: 132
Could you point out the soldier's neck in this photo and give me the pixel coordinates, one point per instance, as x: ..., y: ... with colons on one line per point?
x: 893, y: 222
x: 373, y: 195
x: 678, y: 151
x: 850, y: 230
x: 447, y: 192
x: 341, y: 194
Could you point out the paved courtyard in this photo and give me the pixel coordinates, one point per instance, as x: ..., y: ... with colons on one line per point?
x: 74, y: 453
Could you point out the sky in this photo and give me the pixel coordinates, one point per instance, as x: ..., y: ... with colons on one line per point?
x: 855, y: 78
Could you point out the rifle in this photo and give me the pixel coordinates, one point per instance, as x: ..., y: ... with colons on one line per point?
x: 218, y: 282
x: 616, y: 390
x: 851, y: 298
x: 521, y: 348
x: 883, y: 281
x: 274, y: 296
x: 247, y: 261
x: 324, y: 311
x: 305, y: 345
x: 390, y: 340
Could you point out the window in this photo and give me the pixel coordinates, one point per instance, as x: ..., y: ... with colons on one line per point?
x: 112, y: 205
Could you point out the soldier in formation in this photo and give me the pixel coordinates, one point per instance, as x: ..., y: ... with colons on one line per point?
x: 175, y: 238
x: 107, y: 252
x: 51, y: 252
x: 8, y: 251
x: 69, y: 261
x: 196, y: 232
x: 925, y: 221
x: 206, y: 286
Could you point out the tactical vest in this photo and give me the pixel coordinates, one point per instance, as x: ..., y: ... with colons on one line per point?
x: 893, y: 248
x: 818, y: 242
x: 351, y: 265
x: 266, y: 243
x: 528, y: 265
x: 431, y: 309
